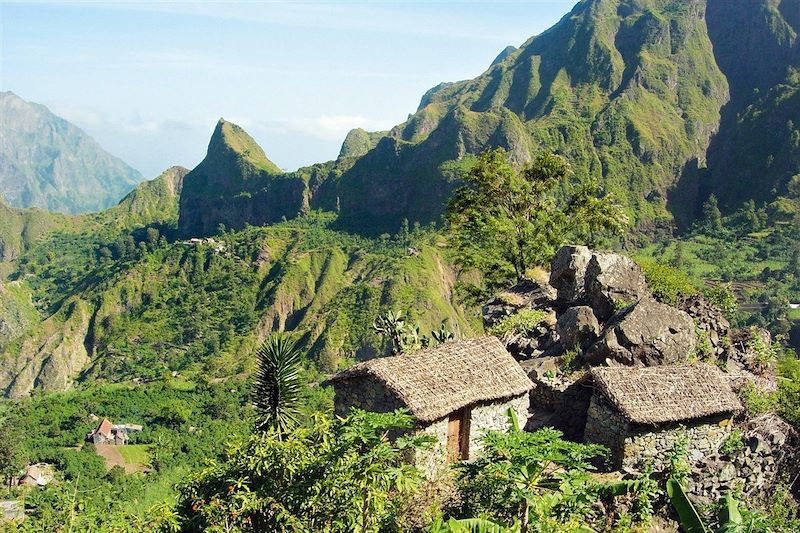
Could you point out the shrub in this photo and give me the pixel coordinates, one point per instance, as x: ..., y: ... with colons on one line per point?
x: 521, y: 323
x: 667, y: 283
x: 733, y: 443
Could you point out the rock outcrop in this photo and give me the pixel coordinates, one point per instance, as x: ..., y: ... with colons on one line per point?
x: 612, y: 282
x: 568, y: 272
x: 647, y: 333
x: 237, y: 185
x: 577, y: 327
x: 709, y: 321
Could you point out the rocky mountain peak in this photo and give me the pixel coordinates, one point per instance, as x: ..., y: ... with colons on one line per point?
x: 231, y: 139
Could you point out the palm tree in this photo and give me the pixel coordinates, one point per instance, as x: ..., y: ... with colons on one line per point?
x: 276, y: 392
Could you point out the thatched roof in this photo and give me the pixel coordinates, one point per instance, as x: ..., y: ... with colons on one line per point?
x: 659, y: 394
x: 437, y: 381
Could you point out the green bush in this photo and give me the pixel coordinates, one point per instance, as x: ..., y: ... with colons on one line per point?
x: 667, y: 283
x: 523, y: 322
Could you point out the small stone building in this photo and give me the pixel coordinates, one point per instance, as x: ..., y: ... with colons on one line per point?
x: 639, y: 412
x: 456, y: 391
x: 108, y: 433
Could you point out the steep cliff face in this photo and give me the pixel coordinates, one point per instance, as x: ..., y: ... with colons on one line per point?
x: 236, y: 185
x: 628, y: 90
x: 757, y: 148
x: 47, y: 162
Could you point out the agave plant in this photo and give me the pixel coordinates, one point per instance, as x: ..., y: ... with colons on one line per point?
x: 443, y: 334
x: 276, y: 392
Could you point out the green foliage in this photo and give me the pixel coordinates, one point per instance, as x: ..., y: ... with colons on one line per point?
x: 523, y: 322
x: 721, y: 295
x: 343, y: 475
x: 277, y: 387
x: 712, y: 218
x: 733, y: 443
x: 678, y: 458
x: 13, y: 455
x: 506, y: 221
x: 534, y: 478
x: 668, y: 283
x: 757, y: 401
x: 691, y: 521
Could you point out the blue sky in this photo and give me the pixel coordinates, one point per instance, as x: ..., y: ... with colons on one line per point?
x: 149, y: 80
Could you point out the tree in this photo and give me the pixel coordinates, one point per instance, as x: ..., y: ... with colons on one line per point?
x: 678, y: 259
x: 523, y: 475
x: 12, y: 453
x: 504, y: 221
x: 334, y: 475
x: 712, y: 218
x: 276, y: 392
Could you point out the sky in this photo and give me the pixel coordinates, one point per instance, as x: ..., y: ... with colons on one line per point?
x: 149, y: 80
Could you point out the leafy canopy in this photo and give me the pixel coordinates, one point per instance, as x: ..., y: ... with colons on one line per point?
x: 505, y: 221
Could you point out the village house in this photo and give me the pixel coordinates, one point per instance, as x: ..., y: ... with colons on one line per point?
x: 38, y: 475
x: 108, y: 433
x: 638, y: 413
x: 455, y: 391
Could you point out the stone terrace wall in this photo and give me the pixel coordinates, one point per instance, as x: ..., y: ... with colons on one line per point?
x: 770, y: 457
x: 567, y: 398
x: 365, y: 393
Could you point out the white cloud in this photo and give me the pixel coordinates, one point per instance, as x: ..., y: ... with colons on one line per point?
x: 331, y: 127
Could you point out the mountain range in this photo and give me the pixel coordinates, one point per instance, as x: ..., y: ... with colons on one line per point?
x: 49, y: 163
x: 662, y: 102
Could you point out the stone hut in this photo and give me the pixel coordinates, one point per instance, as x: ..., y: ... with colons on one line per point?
x: 108, y: 433
x: 639, y: 412
x: 455, y: 391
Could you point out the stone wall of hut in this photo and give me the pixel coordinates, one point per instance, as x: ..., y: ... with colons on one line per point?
x: 483, y: 417
x: 567, y: 399
x: 365, y: 393
x: 632, y: 446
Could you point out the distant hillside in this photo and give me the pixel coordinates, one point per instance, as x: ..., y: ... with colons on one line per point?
x: 47, y: 162
x: 152, y: 202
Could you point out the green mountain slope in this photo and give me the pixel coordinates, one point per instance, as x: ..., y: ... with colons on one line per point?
x: 236, y: 184
x: 757, y: 147
x: 628, y: 90
x: 200, y: 306
x: 49, y: 163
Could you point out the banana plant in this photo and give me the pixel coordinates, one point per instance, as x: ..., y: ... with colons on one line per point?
x: 730, y: 516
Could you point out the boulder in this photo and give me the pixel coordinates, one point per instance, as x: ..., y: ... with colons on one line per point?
x: 528, y: 294
x: 647, y: 333
x: 567, y: 271
x: 613, y: 281
x: 577, y: 327
x: 541, y: 367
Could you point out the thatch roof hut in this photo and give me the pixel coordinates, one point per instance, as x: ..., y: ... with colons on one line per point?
x: 434, y: 382
x: 663, y: 394
x: 639, y: 413
x: 455, y: 390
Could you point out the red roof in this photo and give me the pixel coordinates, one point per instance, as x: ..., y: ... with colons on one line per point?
x: 104, y: 428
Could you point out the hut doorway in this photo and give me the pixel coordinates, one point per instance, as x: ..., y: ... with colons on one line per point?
x: 458, y: 435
